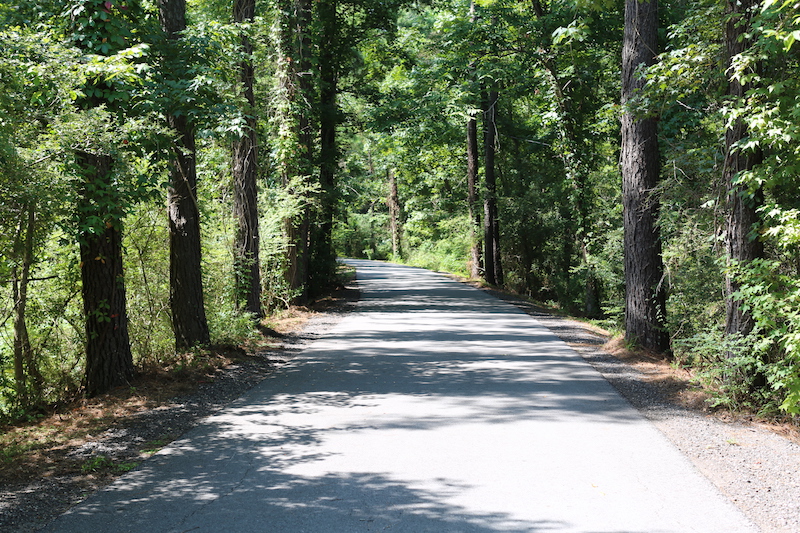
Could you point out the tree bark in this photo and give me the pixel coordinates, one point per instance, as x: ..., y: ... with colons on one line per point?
x: 26, y: 373
x: 742, y: 208
x: 645, y: 296
x: 473, y: 163
x: 299, y: 90
x: 493, y: 269
x: 305, y: 128
x: 247, y: 265
x: 393, y: 202
x: 322, y: 248
x: 472, y: 196
x: 185, y: 271
x: 109, y: 362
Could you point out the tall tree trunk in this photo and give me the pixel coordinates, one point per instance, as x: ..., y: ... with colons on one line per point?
x: 473, y: 163
x: 493, y: 270
x: 25, y: 368
x: 305, y: 127
x: 324, y: 257
x: 645, y: 297
x: 393, y: 202
x: 472, y: 196
x: 185, y: 271
x: 109, y: 362
x: 741, y: 207
x: 247, y: 265
x: 299, y: 90
x: 21, y: 341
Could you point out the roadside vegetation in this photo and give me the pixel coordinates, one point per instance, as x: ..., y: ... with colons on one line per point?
x: 176, y: 174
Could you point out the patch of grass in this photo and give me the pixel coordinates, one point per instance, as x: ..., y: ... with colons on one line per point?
x: 101, y: 464
x: 153, y: 446
x: 345, y: 274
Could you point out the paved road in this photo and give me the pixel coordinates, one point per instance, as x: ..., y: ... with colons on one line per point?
x: 432, y: 408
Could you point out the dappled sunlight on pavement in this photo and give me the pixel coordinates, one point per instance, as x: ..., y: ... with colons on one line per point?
x: 432, y: 408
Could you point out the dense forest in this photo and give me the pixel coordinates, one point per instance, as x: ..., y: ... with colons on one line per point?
x: 174, y: 171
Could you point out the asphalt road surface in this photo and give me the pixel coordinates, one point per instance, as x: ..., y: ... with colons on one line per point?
x: 433, y: 407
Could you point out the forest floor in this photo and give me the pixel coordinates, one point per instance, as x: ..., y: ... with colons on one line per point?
x: 51, y: 464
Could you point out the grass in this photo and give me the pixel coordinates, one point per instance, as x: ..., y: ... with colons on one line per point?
x: 102, y: 464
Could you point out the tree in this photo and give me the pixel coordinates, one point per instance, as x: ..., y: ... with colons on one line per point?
x: 493, y: 269
x: 37, y: 76
x: 645, y: 297
x: 25, y: 367
x: 393, y: 202
x: 742, y: 203
x: 473, y: 161
x: 245, y: 187
x: 295, y: 144
x: 329, y: 65
x: 109, y: 362
x: 186, y: 281
x: 101, y: 28
x: 472, y: 195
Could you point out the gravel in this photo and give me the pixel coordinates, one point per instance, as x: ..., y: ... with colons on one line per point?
x: 756, y: 468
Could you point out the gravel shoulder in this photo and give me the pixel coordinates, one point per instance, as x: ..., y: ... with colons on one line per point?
x: 756, y: 468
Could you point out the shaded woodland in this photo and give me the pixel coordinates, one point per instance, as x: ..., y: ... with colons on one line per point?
x: 172, y: 172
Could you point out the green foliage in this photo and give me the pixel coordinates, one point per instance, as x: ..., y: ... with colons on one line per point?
x: 147, y: 284
x: 448, y: 251
x: 772, y: 295
x: 38, y: 79
x: 729, y: 366
x: 363, y: 235
x: 102, y: 464
x: 102, y: 27
x: 134, y: 176
x: 282, y: 206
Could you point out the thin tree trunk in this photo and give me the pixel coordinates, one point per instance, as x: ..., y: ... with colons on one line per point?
x: 645, y: 297
x: 20, y: 338
x: 472, y: 196
x: 247, y: 265
x: 305, y: 128
x: 577, y: 172
x: 742, y: 209
x: 109, y: 362
x: 393, y: 202
x: 493, y: 269
x: 473, y: 163
x: 186, y: 281
x: 576, y: 169
x: 25, y: 368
